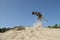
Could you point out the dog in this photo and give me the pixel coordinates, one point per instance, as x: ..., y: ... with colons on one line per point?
x: 40, y: 16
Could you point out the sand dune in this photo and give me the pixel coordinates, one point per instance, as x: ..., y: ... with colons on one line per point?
x: 31, y: 33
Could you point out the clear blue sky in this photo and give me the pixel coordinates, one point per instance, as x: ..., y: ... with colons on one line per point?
x: 18, y: 12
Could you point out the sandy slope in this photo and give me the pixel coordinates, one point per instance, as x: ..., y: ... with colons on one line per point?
x: 31, y: 34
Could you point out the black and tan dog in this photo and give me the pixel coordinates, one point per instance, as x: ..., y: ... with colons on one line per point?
x: 40, y: 16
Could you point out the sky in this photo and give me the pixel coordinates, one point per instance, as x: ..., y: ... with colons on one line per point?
x: 19, y: 12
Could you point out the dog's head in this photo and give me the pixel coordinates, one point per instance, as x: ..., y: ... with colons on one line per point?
x: 33, y: 13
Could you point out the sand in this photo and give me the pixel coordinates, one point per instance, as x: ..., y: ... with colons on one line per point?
x: 31, y: 33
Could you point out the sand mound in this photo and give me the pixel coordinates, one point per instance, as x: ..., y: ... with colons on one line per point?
x: 31, y: 34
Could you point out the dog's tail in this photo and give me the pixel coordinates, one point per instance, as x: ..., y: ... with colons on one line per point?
x: 45, y: 19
